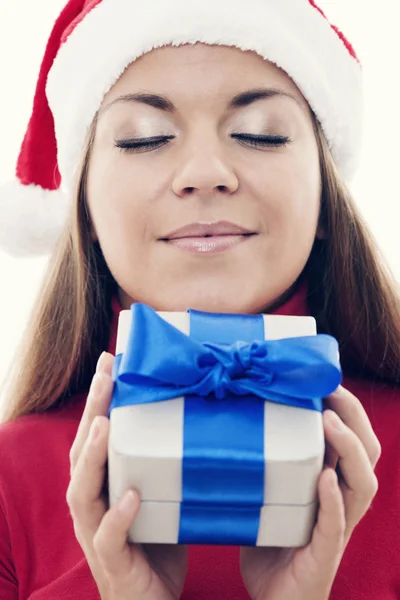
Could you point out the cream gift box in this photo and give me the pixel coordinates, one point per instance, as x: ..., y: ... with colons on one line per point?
x: 267, y: 494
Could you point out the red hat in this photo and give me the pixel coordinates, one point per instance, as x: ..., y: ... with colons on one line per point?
x: 92, y: 43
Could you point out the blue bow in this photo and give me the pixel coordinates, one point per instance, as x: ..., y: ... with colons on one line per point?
x: 160, y: 363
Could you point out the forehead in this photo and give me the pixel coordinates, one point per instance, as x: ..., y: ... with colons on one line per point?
x: 195, y: 70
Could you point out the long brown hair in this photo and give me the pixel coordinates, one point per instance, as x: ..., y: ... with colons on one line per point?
x: 352, y: 294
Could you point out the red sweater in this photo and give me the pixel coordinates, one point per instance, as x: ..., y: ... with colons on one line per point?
x: 40, y: 558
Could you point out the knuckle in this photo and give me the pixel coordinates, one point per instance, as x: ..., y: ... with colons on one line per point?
x: 76, y: 503
x: 376, y: 452
x: 370, y: 488
x: 71, y: 496
x: 74, y: 498
x: 73, y: 457
x: 339, y: 530
x: 373, y: 486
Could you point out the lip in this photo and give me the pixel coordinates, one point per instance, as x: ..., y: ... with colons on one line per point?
x: 208, y: 245
x: 206, y: 230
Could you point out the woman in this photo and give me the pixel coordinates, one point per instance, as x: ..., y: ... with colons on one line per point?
x: 206, y: 149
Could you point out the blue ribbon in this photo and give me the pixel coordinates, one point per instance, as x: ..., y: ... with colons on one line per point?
x: 223, y: 368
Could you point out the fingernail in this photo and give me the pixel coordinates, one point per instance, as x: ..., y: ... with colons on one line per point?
x: 127, y: 503
x: 100, y: 362
x: 336, y: 421
x: 97, y: 385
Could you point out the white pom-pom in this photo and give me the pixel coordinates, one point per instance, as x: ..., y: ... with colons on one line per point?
x: 31, y: 218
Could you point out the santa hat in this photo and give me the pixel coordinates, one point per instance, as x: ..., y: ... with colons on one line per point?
x: 92, y: 43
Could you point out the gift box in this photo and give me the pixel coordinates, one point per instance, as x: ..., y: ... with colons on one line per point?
x: 216, y: 419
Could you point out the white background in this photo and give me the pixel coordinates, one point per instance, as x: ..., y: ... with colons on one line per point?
x: 371, y: 27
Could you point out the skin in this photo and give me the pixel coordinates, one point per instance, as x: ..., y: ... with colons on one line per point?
x: 206, y: 175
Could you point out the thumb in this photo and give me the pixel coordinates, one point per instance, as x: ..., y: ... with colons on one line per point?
x: 327, y: 542
x: 122, y: 562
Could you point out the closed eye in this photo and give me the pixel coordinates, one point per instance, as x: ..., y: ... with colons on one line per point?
x: 262, y: 140
x: 145, y: 144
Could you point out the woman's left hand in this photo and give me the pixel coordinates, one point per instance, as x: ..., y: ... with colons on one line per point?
x: 308, y: 573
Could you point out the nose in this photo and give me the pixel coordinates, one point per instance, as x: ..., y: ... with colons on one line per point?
x: 205, y: 172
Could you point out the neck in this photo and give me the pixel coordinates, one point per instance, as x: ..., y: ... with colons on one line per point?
x: 293, y: 301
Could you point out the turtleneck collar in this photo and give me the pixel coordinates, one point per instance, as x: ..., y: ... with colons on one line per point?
x: 295, y: 304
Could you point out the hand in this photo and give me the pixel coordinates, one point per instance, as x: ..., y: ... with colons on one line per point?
x: 308, y: 573
x: 121, y: 570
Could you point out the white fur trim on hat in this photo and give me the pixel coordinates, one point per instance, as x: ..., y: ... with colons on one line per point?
x: 31, y: 218
x: 292, y: 34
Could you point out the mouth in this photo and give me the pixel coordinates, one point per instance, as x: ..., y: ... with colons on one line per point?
x: 208, y: 237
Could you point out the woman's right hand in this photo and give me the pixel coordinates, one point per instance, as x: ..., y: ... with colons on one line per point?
x: 122, y: 571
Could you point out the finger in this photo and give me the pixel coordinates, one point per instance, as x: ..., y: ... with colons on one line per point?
x: 352, y: 412
x: 84, y: 491
x: 327, y: 540
x: 105, y: 363
x: 124, y: 564
x: 331, y: 457
x: 97, y: 403
x: 359, y: 484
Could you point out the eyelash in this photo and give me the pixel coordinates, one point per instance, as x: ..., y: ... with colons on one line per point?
x: 135, y: 145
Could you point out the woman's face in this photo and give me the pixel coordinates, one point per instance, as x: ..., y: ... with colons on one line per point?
x: 208, y: 174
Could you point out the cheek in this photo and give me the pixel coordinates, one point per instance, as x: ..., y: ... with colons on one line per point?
x: 291, y: 195
x: 119, y: 201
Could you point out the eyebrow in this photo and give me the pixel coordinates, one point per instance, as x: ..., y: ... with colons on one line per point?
x: 162, y: 102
